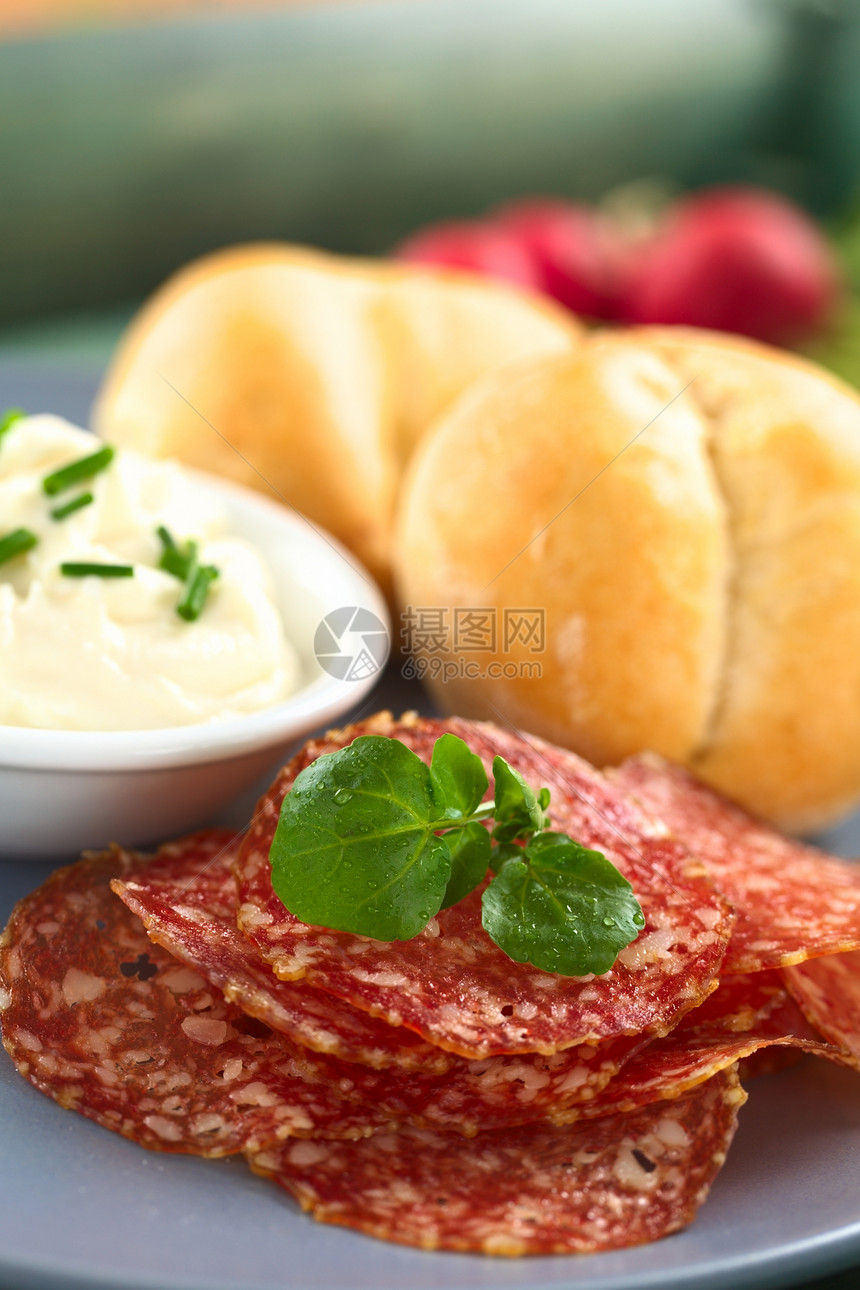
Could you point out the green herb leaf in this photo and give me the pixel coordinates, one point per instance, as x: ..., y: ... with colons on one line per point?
x: 69, y: 508
x: 83, y: 569
x: 8, y: 419
x: 519, y: 811
x: 371, y: 840
x: 471, y: 852
x: 77, y: 471
x: 356, y: 847
x: 18, y: 542
x: 459, y: 783
x: 561, y: 907
x: 458, y: 776
x: 502, y: 853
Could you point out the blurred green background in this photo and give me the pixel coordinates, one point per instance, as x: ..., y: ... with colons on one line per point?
x: 125, y: 149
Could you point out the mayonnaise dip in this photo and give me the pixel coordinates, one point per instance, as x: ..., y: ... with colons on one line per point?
x: 97, y: 653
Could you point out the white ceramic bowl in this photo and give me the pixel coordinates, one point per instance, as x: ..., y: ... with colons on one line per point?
x: 62, y: 791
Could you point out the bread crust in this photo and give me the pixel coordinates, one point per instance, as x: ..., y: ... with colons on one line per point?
x: 701, y: 577
x: 785, y: 737
x: 310, y: 376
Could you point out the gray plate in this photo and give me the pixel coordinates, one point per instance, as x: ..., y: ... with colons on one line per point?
x: 81, y: 1208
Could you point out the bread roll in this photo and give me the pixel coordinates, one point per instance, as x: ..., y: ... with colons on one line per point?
x: 311, y: 376
x: 685, y: 508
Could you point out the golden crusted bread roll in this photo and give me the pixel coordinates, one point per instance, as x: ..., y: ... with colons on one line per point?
x: 685, y: 509
x: 313, y: 376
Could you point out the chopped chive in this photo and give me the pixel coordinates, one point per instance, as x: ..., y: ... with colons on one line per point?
x: 73, y: 569
x: 77, y: 471
x: 191, y: 605
x: 8, y: 419
x: 69, y: 508
x: 16, y: 543
x: 181, y: 564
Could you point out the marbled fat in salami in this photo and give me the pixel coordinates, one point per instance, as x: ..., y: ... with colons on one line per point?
x: 186, y: 901
x: 451, y: 984
x: 110, y: 1025
x: 599, y: 1185
x: 493, y: 1093
x: 188, y: 905
x: 793, y: 902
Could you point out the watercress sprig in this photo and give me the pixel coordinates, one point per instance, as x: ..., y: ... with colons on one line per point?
x: 374, y: 841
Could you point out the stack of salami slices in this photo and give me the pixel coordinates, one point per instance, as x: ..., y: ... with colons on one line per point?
x: 432, y: 1091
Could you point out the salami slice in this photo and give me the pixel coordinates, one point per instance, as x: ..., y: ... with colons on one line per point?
x: 451, y: 984
x: 494, y: 1093
x: 602, y: 1185
x: 669, y: 1067
x: 768, y: 1061
x: 746, y: 1016
x: 750, y: 1001
x: 188, y: 905
x: 185, y: 903
x: 793, y: 902
x: 110, y: 1025
x: 828, y: 992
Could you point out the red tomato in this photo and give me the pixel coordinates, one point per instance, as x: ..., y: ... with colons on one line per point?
x: 735, y: 259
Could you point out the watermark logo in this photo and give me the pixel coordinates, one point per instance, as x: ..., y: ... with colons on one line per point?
x: 351, y: 643
x: 476, y: 630
x: 472, y: 642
